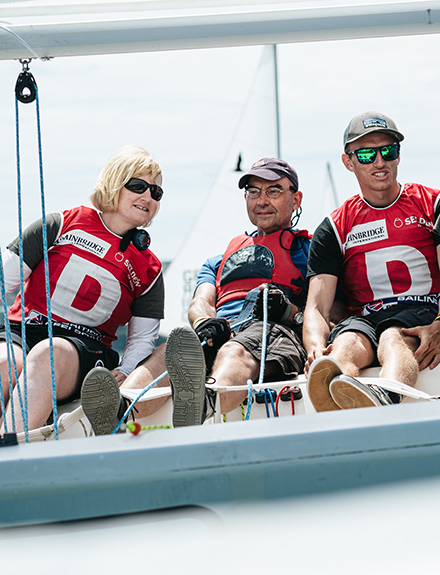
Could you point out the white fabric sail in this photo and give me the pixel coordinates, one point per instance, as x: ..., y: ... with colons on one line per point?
x: 223, y: 214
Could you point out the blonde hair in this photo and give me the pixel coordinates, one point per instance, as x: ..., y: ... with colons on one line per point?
x: 128, y: 162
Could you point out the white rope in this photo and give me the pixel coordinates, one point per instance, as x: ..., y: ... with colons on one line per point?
x: 397, y: 387
x: 47, y: 432
x: 25, y: 44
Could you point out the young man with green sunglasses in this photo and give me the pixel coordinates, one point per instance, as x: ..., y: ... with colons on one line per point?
x: 382, y: 248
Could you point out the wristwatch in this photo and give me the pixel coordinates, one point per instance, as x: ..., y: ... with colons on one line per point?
x: 298, y: 318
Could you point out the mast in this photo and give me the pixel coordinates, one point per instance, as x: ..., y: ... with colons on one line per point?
x: 332, y: 184
x: 277, y: 102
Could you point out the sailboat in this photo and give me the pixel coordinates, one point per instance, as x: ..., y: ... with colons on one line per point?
x: 264, y: 459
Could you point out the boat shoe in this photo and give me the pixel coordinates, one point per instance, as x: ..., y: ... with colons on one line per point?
x: 185, y: 363
x: 101, y: 400
x: 321, y: 373
x: 348, y: 392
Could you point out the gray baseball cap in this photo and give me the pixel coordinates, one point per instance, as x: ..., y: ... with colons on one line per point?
x: 270, y: 169
x: 369, y: 122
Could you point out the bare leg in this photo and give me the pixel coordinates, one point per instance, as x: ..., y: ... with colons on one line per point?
x: 4, y: 370
x: 39, y: 389
x: 396, y: 356
x: 353, y: 352
x: 234, y: 365
x: 145, y: 374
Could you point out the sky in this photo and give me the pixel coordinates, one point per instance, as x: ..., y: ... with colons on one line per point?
x: 184, y: 107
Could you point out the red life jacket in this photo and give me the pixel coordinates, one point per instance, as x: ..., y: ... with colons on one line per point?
x: 388, y: 252
x: 252, y: 260
x: 92, y: 283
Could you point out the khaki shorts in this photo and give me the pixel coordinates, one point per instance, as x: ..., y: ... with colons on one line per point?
x: 283, y: 345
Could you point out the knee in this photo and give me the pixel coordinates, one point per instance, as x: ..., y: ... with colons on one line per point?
x: 6, y: 361
x: 392, y: 338
x: 351, y: 341
x: 232, y: 351
x: 41, y: 351
x: 230, y: 348
x: 353, y: 347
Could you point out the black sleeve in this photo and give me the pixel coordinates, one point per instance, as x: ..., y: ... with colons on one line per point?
x: 325, y: 256
x: 33, y: 239
x: 151, y: 304
x: 436, y: 229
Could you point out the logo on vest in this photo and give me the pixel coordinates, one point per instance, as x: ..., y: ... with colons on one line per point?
x: 366, y: 234
x: 85, y: 241
x: 420, y: 221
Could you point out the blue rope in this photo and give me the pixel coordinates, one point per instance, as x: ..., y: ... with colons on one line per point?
x: 249, y: 399
x: 270, y: 393
x: 46, y: 274
x: 263, y: 355
x: 23, y: 404
x: 249, y: 382
x: 143, y: 392
x: 133, y: 403
x: 265, y: 394
x: 264, y: 338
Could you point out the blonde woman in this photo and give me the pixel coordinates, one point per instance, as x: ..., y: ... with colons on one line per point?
x: 101, y: 276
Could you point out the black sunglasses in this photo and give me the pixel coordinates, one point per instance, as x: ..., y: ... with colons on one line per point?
x: 139, y: 186
x: 368, y: 155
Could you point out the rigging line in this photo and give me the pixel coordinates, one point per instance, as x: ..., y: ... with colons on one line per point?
x: 46, y: 272
x: 25, y: 44
x: 264, y: 339
x: 24, y: 407
x: 263, y: 354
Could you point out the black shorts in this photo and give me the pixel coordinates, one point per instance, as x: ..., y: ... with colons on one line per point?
x: 373, y: 324
x: 91, y: 353
x: 283, y: 345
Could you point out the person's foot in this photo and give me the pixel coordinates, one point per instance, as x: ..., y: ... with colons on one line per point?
x: 101, y: 400
x: 347, y: 392
x: 185, y: 363
x: 321, y: 373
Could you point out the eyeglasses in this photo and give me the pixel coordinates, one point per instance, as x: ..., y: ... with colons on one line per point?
x: 139, y: 186
x: 271, y: 192
x: 368, y: 155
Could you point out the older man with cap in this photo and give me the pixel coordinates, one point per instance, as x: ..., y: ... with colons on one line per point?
x: 228, y: 285
x: 382, y: 247
x: 228, y: 288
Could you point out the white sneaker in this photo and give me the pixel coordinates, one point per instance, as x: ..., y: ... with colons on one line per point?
x: 347, y: 392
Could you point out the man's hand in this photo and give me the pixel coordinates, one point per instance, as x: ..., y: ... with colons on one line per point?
x: 314, y: 354
x: 119, y: 376
x: 214, y: 330
x: 428, y: 352
x: 278, y: 306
